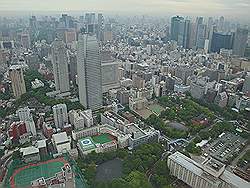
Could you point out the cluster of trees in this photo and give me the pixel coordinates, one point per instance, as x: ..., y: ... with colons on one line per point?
x: 216, y: 130
x: 192, y: 148
x: 227, y: 112
x: 180, y: 109
x: 134, y: 179
x: 159, y: 124
x: 135, y: 166
x: 161, y: 175
x: 143, y: 158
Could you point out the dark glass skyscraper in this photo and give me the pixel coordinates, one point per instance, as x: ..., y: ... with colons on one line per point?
x: 240, y: 42
x: 221, y: 40
x: 175, y: 27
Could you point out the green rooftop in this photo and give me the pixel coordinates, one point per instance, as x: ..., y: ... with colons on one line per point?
x: 101, y: 139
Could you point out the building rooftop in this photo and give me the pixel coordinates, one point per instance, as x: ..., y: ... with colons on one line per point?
x: 87, y: 143
x: 60, y: 138
x: 209, y: 164
x: 29, y: 150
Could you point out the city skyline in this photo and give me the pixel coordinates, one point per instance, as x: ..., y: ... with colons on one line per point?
x: 159, y: 7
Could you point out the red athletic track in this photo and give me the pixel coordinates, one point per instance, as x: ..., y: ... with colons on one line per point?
x: 12, y: 178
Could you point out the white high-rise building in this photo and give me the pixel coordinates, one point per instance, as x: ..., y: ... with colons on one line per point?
x: 25, y: 116
x: 60, y: 115
x: 60, y: 65
x: 89, y: 72
x: 17, y: 80
x: 81, y: 119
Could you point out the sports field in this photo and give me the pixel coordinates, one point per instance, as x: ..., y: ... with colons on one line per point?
x: 155, y: 108
x: 101, y: 139
x: 23, y: 176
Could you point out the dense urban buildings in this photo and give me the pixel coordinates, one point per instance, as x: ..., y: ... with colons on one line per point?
x: 96, y: 99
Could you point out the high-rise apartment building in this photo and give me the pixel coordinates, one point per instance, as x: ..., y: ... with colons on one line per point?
x: 89, y: 72
x: 17, y: 80
x: 60, y: 66
x: 25, y: 116
x: 60, y: 115
x: 240, y: 42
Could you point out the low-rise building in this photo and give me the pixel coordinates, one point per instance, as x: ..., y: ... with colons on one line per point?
x: 37, y: 84
x: 209, y: 173
x: 61, y: 142
x: 30, y: 154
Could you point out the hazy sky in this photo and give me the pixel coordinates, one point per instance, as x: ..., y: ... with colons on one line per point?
x: 233, y: 8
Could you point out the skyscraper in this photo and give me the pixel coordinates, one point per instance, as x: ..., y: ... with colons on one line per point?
x: 221, y: 24
x: 110, y: 75
x: 221, y: 40
x: 60, y: 66
x: 199, y: 21
x: 184, y: 33
x: 201, y: 36
x: 175, y: 27
x: 17, y: 80
x: 89, y: 71
x: 100, y: 27
x: 240, y: 42
x: 60, y: 115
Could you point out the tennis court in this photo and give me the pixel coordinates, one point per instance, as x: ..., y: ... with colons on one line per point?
x: 23, y: 176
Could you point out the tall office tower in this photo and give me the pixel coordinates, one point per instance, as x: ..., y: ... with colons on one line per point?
x: 192, y: 36
x: 66, y: 21
x: 221, y: 40
x: 90, y: 22
x: 25, y: 40
x: 60, y: 115
x: 60, y: 65
x: 25, y: 116
x: 210, y: 36
x: 89, y: 72
x: 100, y: 27
x: 17, y: 80
x: 175, y: 27
x: 72, y: 66
x: 221, y: 24
x: 110, y: 75
x: 209, y: 26
x: 107, y: 35
x: 199, y: 21
x: 200, y: 36
x: 184, y: 33
x: 240, y: 42
x: 33, y: 23
x: 32, y: 27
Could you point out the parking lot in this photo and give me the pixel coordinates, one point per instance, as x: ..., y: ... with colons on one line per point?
x: 225, y: 146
